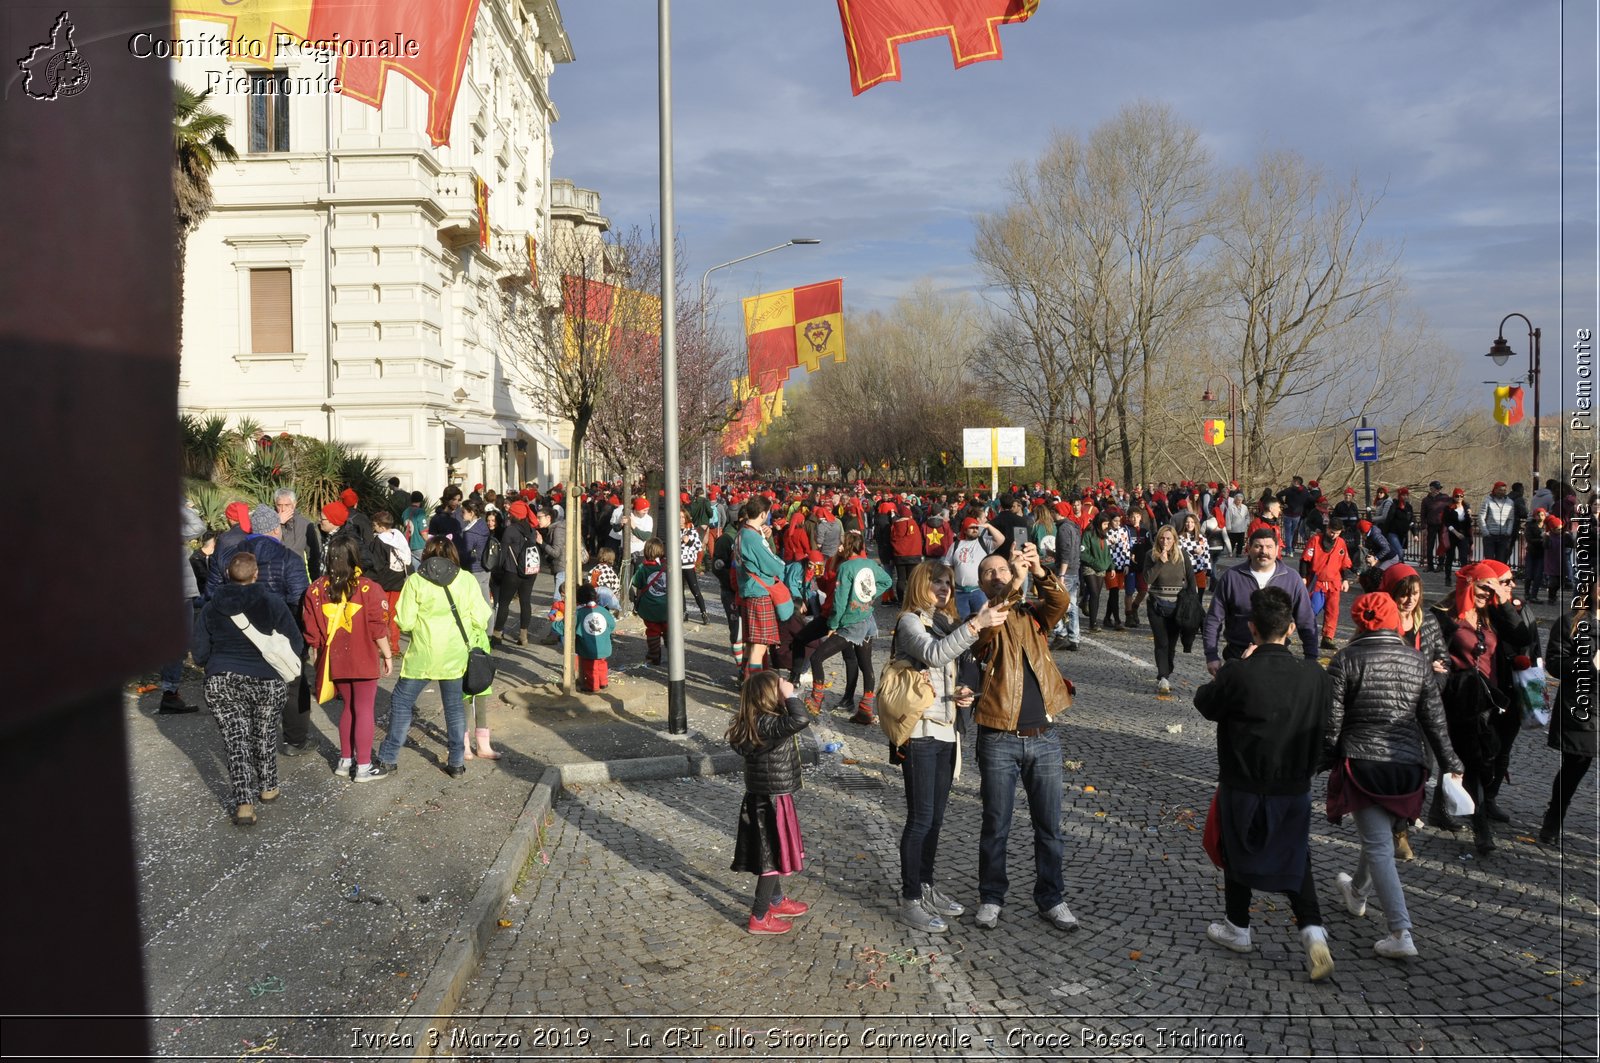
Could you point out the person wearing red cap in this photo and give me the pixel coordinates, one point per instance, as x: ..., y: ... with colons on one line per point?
x: 1421, y: 635
x: 1497, y: 522
x: 1399, y: 520
x: 1484, y: 628
x: 632, y: 527
x: 1345, y: 516
x: 907, y: 542
x: 520, y: 561
x: 1455, y: 545
x: 1385, y: 705
x: 1533, y: 552
x: 1557, y: 541
x: 1325, y: 563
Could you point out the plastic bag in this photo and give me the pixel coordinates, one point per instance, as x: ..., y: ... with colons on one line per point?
x: 1457, y: 802
x: 1530, y: 681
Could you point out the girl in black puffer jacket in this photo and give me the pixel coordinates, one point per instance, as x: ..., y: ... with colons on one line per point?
x: 768, y: 843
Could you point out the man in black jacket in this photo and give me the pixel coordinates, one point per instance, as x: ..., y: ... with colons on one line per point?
x: 1272, y: 711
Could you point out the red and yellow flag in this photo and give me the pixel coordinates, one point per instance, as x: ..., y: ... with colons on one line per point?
x: 875, y: 29
x: 616, y: 322
x: 796, y: 326
x: 533, y: 260
x: 425, y: 41
x: 1215, y: 430
x: 1508, y: 405
x: 480, y: 196
x: 1078, y: 446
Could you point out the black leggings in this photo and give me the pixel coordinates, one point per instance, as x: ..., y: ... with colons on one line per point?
x: 1574, y: 766
x: 510, y: 585
x: 860, y: 655
x: 1090, y: 585
x: 1236, y: 896
x: 692, y: 585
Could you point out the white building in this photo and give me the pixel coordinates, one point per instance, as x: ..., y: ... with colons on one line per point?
x: 338, y: 288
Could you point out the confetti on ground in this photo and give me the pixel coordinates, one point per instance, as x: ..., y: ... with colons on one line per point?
x: 273, y: 984
x: 1088, y: 789
x: 146, y: 688
x: 1135, y: 955
x: 503, y: 923
x: 1072, y: 765
x: 1174, y: 728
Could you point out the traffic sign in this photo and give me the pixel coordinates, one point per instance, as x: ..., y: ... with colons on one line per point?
x: 983, y: 448
x: 1366, y: 444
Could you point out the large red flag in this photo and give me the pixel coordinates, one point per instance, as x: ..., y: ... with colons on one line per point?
x: 425, y: 40
x: 875, y: 29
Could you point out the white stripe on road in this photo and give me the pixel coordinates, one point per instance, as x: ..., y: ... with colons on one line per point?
x: 1130, y: 658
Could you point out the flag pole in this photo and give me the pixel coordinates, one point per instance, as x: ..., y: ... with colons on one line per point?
x: 677, y: 707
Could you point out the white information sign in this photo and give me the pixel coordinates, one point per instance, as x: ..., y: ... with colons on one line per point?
x: 984, y: 448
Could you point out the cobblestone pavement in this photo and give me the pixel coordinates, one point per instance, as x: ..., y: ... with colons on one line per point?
x: 628, y: 940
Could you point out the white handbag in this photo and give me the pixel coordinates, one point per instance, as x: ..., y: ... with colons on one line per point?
x: 275, y: 648
x: 1457, y: 802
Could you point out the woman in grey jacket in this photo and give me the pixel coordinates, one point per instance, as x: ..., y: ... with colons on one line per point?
x: 930, y: 632
x: 1385, y: 703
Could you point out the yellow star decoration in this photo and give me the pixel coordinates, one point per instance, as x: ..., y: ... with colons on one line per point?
x: 341, y: 617
x: 253, y: 25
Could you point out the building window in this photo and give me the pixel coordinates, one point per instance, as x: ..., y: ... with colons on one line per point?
x: 269, y: 111
x: 271, y: 313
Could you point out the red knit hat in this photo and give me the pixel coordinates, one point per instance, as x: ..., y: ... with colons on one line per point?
x: 1393, y: 575
x: 1349, y: 490
x: 641, y: 504
x: 239, y: 513
x: 1553, y: 523
x: 336, y: 513
x: 349, y: 497
x: 1375, y: 612
x: 968, y: 522
x: 518, y: 510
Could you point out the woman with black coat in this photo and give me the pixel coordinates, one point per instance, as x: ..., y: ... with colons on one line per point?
x: 1571, y: 658
x: 513, y: 580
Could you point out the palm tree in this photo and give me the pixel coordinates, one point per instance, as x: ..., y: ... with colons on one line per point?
x: 200, y: 140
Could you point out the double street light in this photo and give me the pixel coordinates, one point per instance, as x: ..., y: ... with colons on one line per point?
x: 1501, y: 352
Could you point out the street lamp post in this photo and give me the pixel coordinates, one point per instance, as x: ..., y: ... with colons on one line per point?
x: 1233, y: 433
x: 1501, y: 352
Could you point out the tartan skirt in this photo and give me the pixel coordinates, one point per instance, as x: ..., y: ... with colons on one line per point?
x: 760, y: 621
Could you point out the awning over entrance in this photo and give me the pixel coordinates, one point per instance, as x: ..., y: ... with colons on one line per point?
x: 558, y: 450
x: 479, y: 433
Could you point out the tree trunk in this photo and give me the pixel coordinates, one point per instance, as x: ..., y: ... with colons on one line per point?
x: 569, y: 591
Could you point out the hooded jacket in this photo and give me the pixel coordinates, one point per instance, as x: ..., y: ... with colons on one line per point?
x: 437, y: 650
x: 279, y: 569
x: 220, y: 646
x: 346, y: 633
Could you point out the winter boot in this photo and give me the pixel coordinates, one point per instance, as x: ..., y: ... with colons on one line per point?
x: 1437, y: 817
x: 1550, y: 831
x: 864, y: 710
x: 814, y: 699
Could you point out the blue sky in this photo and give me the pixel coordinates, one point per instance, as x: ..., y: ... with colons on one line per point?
x: 1454, y: 107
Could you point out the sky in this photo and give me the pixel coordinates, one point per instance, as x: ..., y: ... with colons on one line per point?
x: 1455, y: 110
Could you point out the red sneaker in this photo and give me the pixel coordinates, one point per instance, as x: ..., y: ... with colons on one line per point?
x: 789, y: 908
x: 772, y: 924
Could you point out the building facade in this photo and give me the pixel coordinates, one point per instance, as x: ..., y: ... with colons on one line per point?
x: 344, y: 284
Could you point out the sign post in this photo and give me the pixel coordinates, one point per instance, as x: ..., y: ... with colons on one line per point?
x: 1365, y: 442
x: 996, y: 448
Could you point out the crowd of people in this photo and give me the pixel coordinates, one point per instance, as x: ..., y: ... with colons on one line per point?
x: 986, y: 588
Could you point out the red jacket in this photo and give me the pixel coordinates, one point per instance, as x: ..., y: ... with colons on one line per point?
x: 796, y: 543
x: 905, y: 538
x: 1327, y: 564
x: 1277, y: 529
x: 936, y: 540
x: 341, y: 653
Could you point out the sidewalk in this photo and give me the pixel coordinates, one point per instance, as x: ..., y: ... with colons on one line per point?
x: 348, y: 907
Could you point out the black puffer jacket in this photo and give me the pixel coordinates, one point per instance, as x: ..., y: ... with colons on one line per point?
x: 1385, y: 703
x: 1429, y: 641
x: 774, y: 767
x: 1575, y: 725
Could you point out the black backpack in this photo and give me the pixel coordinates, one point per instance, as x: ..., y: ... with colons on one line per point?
x: 490, y: 559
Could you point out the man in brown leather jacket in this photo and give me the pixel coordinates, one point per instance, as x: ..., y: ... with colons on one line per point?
x: 1022, y: 692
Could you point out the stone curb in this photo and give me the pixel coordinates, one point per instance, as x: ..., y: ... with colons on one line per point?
x: 428, y: 1019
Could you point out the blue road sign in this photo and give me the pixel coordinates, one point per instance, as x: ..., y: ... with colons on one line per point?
x: 1366, y: 443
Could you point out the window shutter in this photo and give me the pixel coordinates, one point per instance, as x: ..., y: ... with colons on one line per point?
x: 271, y: 317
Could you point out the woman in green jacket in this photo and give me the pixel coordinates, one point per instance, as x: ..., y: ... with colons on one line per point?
x: 860, y: 582
x: 437, y: 651
x: 1096, y: 559
x: 759, y: 571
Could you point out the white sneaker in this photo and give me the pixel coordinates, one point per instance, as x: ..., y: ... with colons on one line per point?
x: 1319, y: 961
x: 373, y: 772
x: 1355, y: 901
x: 914, y: 914
x: 1163, y: 685
x: 988, y: 916
x: 935, y: 901
x: 1396, y: 948
x: 1061, y: 917
x: 1229, y: 936
x: 344, y: 766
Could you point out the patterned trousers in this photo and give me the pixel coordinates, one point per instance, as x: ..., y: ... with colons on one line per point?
x: 246, y: 710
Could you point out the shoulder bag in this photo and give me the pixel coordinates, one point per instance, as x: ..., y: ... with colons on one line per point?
x: 480, y: 666
x: 904, y: 694
x: 275, y: 648
x: 1189, y: 614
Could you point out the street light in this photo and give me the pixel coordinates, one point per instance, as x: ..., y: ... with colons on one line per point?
x: 706, y: 276
x: 1501, y: 352
x: 1233, y: 435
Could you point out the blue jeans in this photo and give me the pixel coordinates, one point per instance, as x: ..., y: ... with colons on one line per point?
x: 1398, y: 542
x: 172, y: 672
x: 1068, y: 624
x: 969, y: 602
x: 928, y: 770
x: 1002, y: 758
x: 1291, y: 528
x: 404, y: 700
